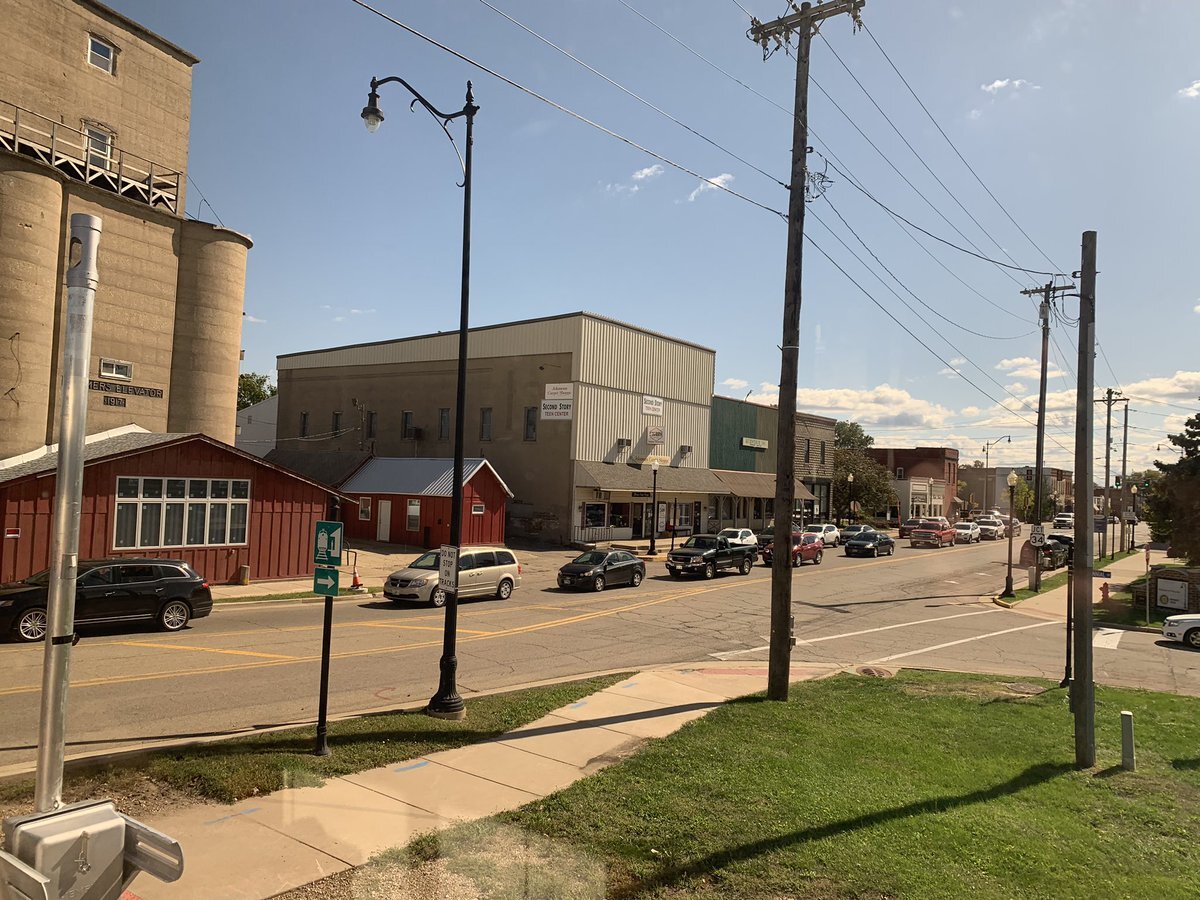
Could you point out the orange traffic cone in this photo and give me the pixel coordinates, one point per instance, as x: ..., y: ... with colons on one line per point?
x: 356, y: 582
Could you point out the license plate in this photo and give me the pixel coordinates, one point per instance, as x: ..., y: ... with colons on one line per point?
x: 567, y: 579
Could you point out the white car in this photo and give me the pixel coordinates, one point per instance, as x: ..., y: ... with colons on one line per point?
x: 742, y: 537
x: 1183, y: 628
x: 828, y: 534
x: 1064, y: 520
x: 967, y: 533
x: 991, y: 529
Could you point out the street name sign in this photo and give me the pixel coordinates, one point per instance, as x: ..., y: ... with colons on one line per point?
x: 325, y: 581
x: 1037, y: 536
x: 327, y: 544
x: 1101, y: 573
x: 448, y: 568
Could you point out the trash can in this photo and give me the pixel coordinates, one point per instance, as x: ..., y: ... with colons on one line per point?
x: 1031, y: 572
x: 243, y: 575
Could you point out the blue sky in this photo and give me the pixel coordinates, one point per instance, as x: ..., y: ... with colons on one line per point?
x: 1076, y: 115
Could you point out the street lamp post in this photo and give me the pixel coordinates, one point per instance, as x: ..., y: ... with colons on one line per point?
x: 1012, y: 493
x: 987, y: 464
x: 446, y: 703
x: 1133, y: 525
x: 654, y: 508
x: 850, y: 481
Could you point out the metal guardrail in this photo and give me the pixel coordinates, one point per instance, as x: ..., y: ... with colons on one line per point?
x: 68, y: 150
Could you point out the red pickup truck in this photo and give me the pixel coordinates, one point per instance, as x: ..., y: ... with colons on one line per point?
x: 932, y: 534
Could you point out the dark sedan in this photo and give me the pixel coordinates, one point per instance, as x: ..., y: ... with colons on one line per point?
x: 166, y: 591
x: 1054, y: 554
x: 871, y: 543
x: 597, y: 569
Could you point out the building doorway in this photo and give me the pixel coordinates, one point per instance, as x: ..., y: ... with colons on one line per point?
x: 383, y: 523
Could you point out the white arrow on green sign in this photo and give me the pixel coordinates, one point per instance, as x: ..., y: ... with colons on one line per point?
x: 325, y: 581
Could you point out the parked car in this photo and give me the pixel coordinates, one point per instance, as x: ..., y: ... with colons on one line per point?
x: 967, y: 533
x: 829, y: 534
x: 1010, y: 523
x: 1183, y: 628
x: 990, y: 529
x: 1054, y: 554
x: 870, y: 543
x: 1064, y: 520
x: 705, y: 554
x: 851, y: 531
x: 168, y: 592
x: 805, y: 548
x: 907, y: 526
x: 741, y: 536
x: 932, y: 533
x: 597, y: 569
x: 482, y: 572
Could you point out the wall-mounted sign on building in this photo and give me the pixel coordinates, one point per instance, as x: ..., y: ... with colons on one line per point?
x: 560, y: 390
x: 558, y: 409
x: 1172, y: 594
x: 754, y: 443
x: 655, y: 435
x: 652, y: 406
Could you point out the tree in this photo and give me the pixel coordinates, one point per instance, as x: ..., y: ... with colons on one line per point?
x: 850, y: 436
x: 872, y: 486
x: 1023, y: 501
x: 1173, y: 504
x: 254, y: 388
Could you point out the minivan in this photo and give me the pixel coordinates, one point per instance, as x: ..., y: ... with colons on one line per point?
x: 482, y: 572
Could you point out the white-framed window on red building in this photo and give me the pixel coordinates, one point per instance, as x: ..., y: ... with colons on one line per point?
x: 364, y: 509
x: 413, y: 516
x: 162, y: 512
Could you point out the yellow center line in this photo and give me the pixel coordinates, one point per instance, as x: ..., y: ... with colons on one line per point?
x: 204, y: 649
x: 423, y: 628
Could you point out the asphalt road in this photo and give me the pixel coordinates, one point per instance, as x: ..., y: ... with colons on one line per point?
x: 257, y: 665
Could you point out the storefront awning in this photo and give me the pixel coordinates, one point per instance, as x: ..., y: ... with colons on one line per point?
x: 624, y: 477
x: 756, y: 484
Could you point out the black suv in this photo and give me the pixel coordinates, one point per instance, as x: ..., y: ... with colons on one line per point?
x: 166, y: 591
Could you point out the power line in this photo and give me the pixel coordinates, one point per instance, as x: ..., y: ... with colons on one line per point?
x: 1164, y: 403
x: 204, y: 201
x: 570, y: 112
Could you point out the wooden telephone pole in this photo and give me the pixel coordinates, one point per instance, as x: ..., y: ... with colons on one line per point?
x: 801, y: 24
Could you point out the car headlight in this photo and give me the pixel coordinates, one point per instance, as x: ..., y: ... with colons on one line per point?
x: 1166, y: 622
x: 418, y: 582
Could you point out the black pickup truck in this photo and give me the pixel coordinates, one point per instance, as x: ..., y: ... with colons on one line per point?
x: 704, y: 554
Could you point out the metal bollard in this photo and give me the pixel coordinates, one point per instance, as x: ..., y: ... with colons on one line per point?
x: 1128, y: 762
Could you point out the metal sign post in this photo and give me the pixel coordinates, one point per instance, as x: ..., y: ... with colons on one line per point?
x: 327, y: 553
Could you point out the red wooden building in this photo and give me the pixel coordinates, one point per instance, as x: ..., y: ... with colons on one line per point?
x: 408, y: 501
x: 177, y: 496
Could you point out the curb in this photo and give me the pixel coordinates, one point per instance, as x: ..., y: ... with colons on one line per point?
x: 1145, y: 629
x: 1007, y: 604
x: 315, y: 598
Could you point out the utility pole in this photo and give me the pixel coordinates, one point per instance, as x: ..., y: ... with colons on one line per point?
x: 1124, y: 484
x: 1083, y: 689
x: 803, y: 25
x: 1108, y: 401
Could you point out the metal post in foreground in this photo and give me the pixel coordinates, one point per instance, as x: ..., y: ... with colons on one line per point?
x: 322, y: 744
x: 1012, y: 492
x: 1066, y: 682
x: 82, y: 277
x: 654, y: 508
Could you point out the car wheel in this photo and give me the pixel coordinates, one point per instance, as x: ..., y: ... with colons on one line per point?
x: 710, y: 570
x: 31, y: 625
x: 636, y: 579
x: 174, y: 616
x: 817, y: 559
x: 874, y: 552
x: 744, y: 568
x: 939, y: 543
x: 797, y: 560
x: 598, y: 583
x: 438, y: 597
x: 892, y: 550
x: 1192, y: 638
x: 504, y: 589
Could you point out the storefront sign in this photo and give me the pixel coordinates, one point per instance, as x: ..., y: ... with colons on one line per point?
x: 133, y: 390
x: 639, y: 494
x: 655, y: 435
x: 558, y: 409
x: 652, y: 406
x: 755, y: 443
x: 1172, y: 594
x: 560, y: 391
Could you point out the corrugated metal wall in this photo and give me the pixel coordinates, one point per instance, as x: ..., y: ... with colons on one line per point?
x: 733, y: 420
x: 623, y: 357
x: 602, y: 415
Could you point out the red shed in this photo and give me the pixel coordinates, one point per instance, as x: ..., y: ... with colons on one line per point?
x: 179, y: 496
x: 407, y: 501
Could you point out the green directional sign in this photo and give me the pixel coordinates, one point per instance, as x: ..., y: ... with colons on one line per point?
x: 327, y: 544
x: 325, y: 581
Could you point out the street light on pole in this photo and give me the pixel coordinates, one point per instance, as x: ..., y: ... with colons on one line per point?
x: 1012, y: 493
x: 987, y: 464
x: 1133, y: 522
x: 654, y: 508
x: 446, y: 703
x: 850, y: 481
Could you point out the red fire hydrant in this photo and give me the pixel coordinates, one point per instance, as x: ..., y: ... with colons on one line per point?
x: 1104, y: 592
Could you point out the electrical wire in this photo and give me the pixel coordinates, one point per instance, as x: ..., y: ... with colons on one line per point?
x: 571, y: 56
x: 570, y: 112
x: 1163, y: 403
x: 204, y: 200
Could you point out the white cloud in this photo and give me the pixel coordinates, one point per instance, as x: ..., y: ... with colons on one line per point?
x: 736, y: 384
x: 1180, y: 386
x: 711, y: 184
x: 883, y: 405
x: 648, y: 172
x: 1028, y: 367
x: 361, y: 312
x: 970, y: 411
x: 255, y: 319
x: 1016, y: 387
x: 1192, y: 91
x: 975, y: 114
x: 953, y: 370
x: 640, y: 175
x: 1196, y: 309
x: 339, y: 319
x: 1016, y: 84
x: 326, y: 306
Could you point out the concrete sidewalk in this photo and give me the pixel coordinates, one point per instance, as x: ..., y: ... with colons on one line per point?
x: 266, y: 845
x: 1053, y: 604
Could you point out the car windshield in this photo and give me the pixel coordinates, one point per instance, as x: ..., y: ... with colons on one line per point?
x: 866, y: 534
x: 730, y: 533
x: 963, y: 526
x: 426, y: 561
x: 700, y: 543
x: 591, y: 558
x: 913, y: 522
x: 40, y: 579
x: 810, y: 538
x: 988, y: 522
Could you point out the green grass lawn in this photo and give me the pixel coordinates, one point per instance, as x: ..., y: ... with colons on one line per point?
x: 924, y: 785
x: 230, y: 770
x: 1050, y: 582
x: 295, y: 595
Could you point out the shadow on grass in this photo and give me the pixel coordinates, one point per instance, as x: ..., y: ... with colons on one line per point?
x: 1186, y: 765
x: 673, y: 875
